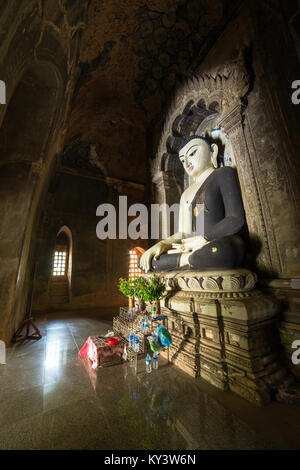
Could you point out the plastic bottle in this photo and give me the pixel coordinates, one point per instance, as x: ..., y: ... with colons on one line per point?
x: 148, y: 363
x: 137, y: 344
x: 143, y: 327
x: 155, y: 361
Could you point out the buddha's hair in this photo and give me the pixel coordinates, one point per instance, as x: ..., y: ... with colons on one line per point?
x: 186, y: 141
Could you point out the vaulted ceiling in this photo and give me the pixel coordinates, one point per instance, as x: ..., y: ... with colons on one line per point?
x: 132, y: 55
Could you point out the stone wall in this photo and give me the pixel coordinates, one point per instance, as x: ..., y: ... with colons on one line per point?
x: 96, y: 264
x: 36, y: 65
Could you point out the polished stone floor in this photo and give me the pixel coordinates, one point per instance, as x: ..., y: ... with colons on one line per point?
x: 51, y: 399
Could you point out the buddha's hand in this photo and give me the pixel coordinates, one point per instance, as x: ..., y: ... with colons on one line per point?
x: 193, y: 243
x: 153, y: 252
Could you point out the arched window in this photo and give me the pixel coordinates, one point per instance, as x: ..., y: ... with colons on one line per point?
x: 60, y: 262
x: 134, y: 256
x: 61, y: 268
x: 60, y: 257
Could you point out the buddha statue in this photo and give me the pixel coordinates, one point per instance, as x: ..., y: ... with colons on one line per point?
x: 216, y: 191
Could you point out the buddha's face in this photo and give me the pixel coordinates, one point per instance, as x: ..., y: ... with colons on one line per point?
x: 196, y: 157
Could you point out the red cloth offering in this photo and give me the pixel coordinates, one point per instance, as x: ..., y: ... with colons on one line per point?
x: 99, y: 351
x: 84, y: 350
x: 113, y: 341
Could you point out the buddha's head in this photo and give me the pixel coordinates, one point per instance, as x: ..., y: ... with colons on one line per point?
x: 197, y: 155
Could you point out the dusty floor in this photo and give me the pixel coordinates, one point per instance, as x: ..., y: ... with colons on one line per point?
x: 50, y: 399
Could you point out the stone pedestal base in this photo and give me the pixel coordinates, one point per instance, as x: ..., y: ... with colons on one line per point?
x: 225, y: 331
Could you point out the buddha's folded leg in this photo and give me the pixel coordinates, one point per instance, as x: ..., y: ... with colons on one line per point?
x: 224, y: 253
x: 165, y: 262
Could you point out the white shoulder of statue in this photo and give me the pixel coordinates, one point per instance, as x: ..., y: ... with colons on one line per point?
x: 182, y: 197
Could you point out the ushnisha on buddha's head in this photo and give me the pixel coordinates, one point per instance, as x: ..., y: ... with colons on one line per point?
x: 197, y: 155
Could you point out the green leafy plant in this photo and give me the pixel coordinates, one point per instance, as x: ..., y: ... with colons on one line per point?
x: 140, y: 286
x: 154, y: 290
x: 127, y: 287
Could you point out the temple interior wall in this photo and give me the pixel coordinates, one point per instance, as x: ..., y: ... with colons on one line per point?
x: 96, y: 264
x: 34, y: 69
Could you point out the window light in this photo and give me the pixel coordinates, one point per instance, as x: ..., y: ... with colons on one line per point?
x: 59, y: 263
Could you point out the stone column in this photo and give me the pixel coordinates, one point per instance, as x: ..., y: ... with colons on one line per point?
x: 162, y: 195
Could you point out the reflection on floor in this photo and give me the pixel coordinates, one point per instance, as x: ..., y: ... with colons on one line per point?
x: 50, y: 399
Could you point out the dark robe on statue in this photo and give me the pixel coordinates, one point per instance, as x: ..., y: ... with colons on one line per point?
x: 223, y: 220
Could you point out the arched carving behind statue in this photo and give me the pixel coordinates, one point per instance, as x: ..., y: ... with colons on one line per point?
x: 184, y: 125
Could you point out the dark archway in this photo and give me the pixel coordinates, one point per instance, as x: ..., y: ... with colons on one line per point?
x: 25, y: 136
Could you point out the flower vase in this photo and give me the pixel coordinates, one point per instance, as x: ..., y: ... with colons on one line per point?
x: 155, y: 309
x: 130, y: 302
x: 157, y: 305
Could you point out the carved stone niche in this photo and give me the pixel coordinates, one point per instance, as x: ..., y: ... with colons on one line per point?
x: 225, y: 331
x: 213, y: 105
